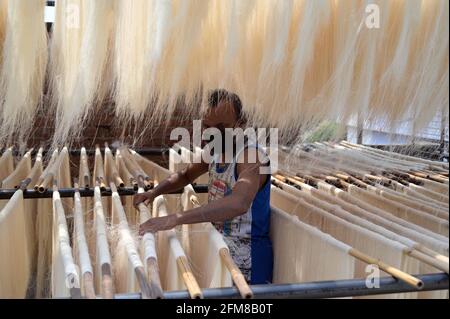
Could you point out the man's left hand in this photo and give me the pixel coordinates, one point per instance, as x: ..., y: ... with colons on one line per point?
x: 156, y: 224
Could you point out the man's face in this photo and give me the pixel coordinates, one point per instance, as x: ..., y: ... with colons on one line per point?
x: 221, y: 117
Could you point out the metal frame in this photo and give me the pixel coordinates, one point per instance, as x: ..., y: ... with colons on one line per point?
x: 146, y: 151
x: 86, y: 192
x: 319, y: 289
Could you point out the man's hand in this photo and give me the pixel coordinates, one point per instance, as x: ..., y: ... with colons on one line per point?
x: 156, y: 224
x: 145, y: 198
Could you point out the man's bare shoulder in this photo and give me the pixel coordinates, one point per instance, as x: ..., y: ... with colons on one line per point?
x: 251, y: 158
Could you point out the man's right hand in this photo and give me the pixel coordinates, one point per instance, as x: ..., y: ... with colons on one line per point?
x: 145, y: 198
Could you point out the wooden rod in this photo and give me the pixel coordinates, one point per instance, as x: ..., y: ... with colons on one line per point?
x: 429, y: 260
x: 88, y: 278
x: 88, y: 285
x: 377, y: 179
x: 279, y: 177
x: 75, y: 293
x: 420, y: 174
x: 39, y: 182
x: 99, y: 171
x: 87, y: 181
x: 151, y: 263
x: 292, y: 180
x: 132, y: 166
x: 188, y: 278
x: 107, y: 282
x: 439, y: 179
x: 84, y: 169
x: 111, y: 168
x: 153, y: 278
x: 45, y: 183
x: 435, y: 177
x: 236, y: 274
x: 311, y: 180
x: 297, y: 178
x: 432, y: 253
x: 24, y: 183
x: 148, y: 184
x: 275, y: 181
x: 397, y: 273
x: 101, y: 182
x: 146, y: 292
x: 118, y: 180
x: 47, y: 170
x: 357, y: 181
x: 125, y: 172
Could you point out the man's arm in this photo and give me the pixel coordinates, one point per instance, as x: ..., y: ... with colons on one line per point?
x: 244, y: 191
x: 173, y: 183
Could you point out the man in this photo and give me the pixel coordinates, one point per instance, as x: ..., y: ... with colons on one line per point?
x: 238, y: 195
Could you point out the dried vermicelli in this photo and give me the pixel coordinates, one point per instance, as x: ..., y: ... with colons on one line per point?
x: 294, y: 64
x: 16, y: 261
x: 22, y: 80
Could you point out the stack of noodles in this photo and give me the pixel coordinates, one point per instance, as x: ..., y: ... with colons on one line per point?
x: 88, y: 247
x: 388, y: 205
x: 294, y: 63
x: 336, y: 201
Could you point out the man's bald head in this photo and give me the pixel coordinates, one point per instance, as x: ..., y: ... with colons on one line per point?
x: 225, y: 109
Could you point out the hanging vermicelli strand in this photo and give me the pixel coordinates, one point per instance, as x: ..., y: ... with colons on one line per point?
x: 131, y: 57
x: 389, y: 251
x: 65, y: 280
x: 176, y: 270
x: 295, y: 64
x: 3, y: 17
x: 148, y: 248
x: 224, y: 269
x: 359, y: 221
x: 16, y: 268
x: 81, y: 49
x: 132, y: 275
x: 22, y: 79
x: 44, y: 224
x: 103, y: 266
x: 65, y: 50
x: 81, y: 248
x: 287, y: 228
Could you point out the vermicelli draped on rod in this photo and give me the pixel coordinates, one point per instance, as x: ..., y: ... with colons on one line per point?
x: 331, y: 207
x: 334, y: 212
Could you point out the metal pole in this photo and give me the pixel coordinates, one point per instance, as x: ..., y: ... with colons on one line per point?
x: 85, y: 192
x: 147, y: 151
x: 320, y: 289
x: 442, y: 135
x: 359, y: 129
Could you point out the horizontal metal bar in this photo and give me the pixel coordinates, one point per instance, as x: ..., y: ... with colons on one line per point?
x: 85, y: 192
x: 319, y: 289
x: 146, y: 151
x: 156, y: 151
